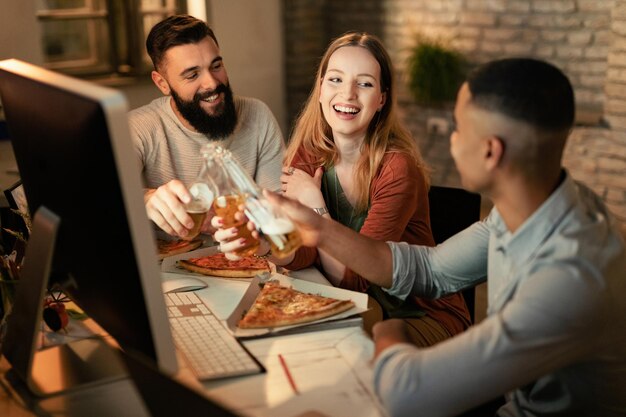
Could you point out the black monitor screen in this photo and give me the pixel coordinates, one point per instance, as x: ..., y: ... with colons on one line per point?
x: 74, y: 154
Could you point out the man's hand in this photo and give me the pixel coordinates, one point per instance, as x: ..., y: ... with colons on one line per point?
x: 166, y: 207
x: 308, y: 222
x: 388, y: 333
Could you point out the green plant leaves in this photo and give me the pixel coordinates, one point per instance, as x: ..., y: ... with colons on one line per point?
x: 435, y: 72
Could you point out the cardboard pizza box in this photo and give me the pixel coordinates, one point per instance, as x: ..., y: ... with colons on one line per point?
x: 346, y: 318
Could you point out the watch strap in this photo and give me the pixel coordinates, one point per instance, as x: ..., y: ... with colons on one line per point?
x: 320, y: 210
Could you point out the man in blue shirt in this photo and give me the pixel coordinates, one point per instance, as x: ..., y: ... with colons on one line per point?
x: 554, y: 341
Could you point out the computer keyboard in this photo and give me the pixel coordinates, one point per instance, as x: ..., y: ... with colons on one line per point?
x: 210, y: 350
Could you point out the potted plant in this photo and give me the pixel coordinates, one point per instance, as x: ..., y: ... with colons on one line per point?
x: 435, y: 72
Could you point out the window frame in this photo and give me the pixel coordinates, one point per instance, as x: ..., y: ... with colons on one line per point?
x: 124, y: 38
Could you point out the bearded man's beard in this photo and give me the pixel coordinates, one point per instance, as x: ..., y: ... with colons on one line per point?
x: 217, y: 126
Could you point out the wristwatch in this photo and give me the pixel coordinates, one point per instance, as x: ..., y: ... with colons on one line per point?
x: 321, y: 210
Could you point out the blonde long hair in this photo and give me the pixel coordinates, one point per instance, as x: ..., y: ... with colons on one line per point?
x: 385, y: 132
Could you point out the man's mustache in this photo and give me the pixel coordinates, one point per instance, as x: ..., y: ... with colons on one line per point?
x: 206, y: 94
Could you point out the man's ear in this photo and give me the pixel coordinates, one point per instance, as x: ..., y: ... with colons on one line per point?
x: 494, y: 152
x: 160, y: 82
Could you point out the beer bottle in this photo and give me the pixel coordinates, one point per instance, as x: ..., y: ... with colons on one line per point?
x: 228, y: 197
x: 276, y: 228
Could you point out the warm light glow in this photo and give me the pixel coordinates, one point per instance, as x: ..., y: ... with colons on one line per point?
x: 197, y: 8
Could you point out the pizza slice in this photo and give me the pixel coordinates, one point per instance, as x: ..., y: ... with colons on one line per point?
x: 218, y: 266
x: 277, y: 305
x: 174, y: 247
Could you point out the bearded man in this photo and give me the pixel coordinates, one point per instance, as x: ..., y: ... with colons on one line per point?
x: 198, y: 107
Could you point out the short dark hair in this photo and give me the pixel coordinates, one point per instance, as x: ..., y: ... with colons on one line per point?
x: 525, y: 89
x: 173, y: 31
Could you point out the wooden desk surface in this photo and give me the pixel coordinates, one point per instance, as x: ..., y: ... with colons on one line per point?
x: 331, y: 369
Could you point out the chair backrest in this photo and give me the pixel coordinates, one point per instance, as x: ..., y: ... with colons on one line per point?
x: 452, y: 210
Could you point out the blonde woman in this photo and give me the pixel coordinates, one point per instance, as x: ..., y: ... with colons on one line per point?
x: 351, y: 159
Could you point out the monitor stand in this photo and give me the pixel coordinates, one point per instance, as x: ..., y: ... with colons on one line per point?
x: 57, y: 369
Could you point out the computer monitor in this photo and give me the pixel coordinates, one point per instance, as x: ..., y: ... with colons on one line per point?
x: 74, y: 154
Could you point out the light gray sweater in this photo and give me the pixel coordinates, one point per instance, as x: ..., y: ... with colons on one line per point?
x: 167, y: 150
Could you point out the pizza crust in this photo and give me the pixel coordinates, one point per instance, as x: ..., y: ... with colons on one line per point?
x: 191, y: 245
x: 225, y: 273
x: 278, y: 305
x: 330, y: 310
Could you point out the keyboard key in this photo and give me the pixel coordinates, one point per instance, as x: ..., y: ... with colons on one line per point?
x: 210, y: 350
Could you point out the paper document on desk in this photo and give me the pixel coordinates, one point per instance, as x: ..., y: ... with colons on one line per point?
x: 359, y: 299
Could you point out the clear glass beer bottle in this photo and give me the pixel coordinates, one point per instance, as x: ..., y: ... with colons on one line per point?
x: 276, y: 228
x: 228, y: 198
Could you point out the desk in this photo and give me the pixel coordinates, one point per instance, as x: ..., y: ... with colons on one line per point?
x: 331, y: 370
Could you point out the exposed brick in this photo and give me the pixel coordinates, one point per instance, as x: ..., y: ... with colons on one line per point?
x: 518, y: 48
x: 614, y: 89
x: 518, y: 6
x: 569, y: 52
x: 513, y: 20
x: 579, y: 38
x: 619, y: 28
x: 615, y: 165
x: 553, y: 35
x: 616, y: 122
x: 541, y: 21
x: 587, y: 67
x: 469, y: 32
x: 616, y: 74
x: 619, y: 11
x: 615, y: 106
x: 595, y: 5
x: 486, y: 5
x: 545, y: 51
x: 501, y: 34
x: 478, y: 19
x: 596, y: 52
x: 595, y: 22
x: 491, y: 47
x: 617, y: 59
x: 592, y: 80
x: 562, y: 6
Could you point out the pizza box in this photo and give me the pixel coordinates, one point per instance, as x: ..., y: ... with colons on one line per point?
x: 338, y: 320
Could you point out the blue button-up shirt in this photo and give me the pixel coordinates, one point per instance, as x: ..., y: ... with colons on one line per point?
x: 555, y: 335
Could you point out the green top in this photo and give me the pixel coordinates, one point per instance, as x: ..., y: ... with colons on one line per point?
x: 341, y: 210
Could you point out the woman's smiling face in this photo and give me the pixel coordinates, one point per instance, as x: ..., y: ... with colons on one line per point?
x: 351, y: 93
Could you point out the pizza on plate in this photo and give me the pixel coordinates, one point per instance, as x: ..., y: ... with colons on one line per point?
x: 174, y: 247
x: 277, y: 305
x: 218, y: 266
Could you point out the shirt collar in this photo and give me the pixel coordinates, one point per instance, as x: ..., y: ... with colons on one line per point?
x: 533, y: 232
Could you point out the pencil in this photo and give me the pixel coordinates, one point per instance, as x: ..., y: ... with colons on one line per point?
x: 288, y: 374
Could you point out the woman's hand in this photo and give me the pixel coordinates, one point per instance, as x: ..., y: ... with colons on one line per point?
x: 300, y: 186
x: 229, y: 239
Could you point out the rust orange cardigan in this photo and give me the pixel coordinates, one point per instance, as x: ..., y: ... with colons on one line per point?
x: 398, y: 212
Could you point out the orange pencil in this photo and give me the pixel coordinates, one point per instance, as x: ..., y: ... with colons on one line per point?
x: 288, y: 374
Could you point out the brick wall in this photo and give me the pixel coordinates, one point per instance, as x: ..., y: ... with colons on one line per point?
x: 585, y: 38
x: 597, y: 155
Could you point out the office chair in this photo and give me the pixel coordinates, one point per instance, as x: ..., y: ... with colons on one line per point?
x: 452, y: 210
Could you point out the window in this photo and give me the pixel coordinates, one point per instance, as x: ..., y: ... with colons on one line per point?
x: 100, y: 37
